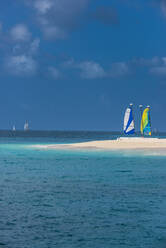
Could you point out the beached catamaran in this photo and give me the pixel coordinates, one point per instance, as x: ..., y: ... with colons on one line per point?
x: 129, y: 127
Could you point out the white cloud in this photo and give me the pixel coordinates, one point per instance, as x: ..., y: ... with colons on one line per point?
x: 91, y: 70
x: 53, y: 32
x: 146, y: 62
x: 163, y: 6
x: 34, y: 46
x: 19, y: 55
x: 58, y: 17
x: 119, y: 69
x: 94, y: 70
x: 20, y: 32
x: 28, y: 48
x: 42, y: 6
x: 21, y: 65
x: 164, y: 60
x: 159, y: 70
x: 54, y: 72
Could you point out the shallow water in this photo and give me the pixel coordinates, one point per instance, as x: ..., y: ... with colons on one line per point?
x: 56, y: 198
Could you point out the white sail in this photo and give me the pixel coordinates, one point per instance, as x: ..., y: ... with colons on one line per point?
x: 14, y: 128
x: 128, y: 122
x: 26, y: 126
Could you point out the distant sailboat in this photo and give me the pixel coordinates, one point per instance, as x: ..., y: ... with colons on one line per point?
x: 26, y: 126
x: 129, y: 121
x: 146, y: 122
x: 14, y: 128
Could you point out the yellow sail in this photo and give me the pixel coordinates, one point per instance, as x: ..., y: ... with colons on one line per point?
x: 145, y: 122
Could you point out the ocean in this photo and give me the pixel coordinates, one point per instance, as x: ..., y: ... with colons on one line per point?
x: 74, y: 199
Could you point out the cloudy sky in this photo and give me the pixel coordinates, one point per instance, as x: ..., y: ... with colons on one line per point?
x: 77, y: 64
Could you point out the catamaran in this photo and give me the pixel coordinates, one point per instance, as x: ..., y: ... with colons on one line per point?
x: 129, y: 127
x: 26, y: 126
x: 145, y: 127
x: 145, y: 121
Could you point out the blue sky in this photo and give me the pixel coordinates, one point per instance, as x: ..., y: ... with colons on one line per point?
x: 77, y: 64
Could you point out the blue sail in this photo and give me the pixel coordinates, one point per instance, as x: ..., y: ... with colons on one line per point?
x: 129, y: 122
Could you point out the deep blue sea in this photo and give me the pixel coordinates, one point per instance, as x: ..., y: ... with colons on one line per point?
x: 74, y: 199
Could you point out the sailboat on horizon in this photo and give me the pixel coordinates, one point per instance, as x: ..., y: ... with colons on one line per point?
x: 14, y: 128
x: 26, y: 126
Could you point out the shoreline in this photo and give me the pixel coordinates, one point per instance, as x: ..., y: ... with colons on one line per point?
x: 137, y: 143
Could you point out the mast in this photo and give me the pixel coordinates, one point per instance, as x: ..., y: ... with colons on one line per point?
x: 131, y: 106
x: 150, y: 120
x: 141, y: 111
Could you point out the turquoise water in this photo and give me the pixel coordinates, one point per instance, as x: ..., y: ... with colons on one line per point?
x: 68, y: 199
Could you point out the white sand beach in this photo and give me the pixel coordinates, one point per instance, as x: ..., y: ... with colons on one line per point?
x: 118, y: 144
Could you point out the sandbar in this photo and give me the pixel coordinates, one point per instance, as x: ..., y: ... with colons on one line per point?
x: 122, y: 143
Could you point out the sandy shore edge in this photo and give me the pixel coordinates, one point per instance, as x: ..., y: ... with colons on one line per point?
x: 118, y: 144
